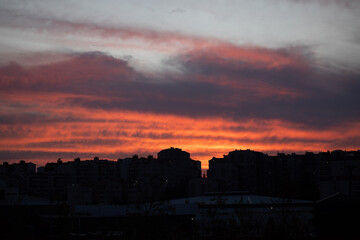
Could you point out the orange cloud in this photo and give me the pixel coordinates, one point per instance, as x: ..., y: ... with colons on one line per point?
x: 255, y: 57
x: 128, y: 132
x: 93, y: 103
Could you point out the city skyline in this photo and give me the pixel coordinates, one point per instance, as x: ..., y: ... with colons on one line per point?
x: 172, y: 173
x: 114, y: 79
x: 204, y: 164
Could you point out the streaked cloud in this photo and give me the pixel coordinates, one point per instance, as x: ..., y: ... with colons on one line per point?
x: 96, y: 103
x: 83, y: 78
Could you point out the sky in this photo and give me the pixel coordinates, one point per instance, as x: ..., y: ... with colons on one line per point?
x: 117, y: 78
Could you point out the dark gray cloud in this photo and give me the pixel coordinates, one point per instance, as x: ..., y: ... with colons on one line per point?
x: 234, y: 89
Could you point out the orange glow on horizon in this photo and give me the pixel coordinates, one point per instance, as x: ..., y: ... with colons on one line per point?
x: 129, y: 132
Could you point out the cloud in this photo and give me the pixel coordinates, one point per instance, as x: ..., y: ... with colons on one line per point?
x: 92, y: 33
x: 92, y: 102
x: 65, y: 76
x: 296, y: 91
x: 42, y: 157
x: 207, y: 94
x: 223, y: 54
x: 344, y: 3
x: 242, y: 86
x: 178, y: 10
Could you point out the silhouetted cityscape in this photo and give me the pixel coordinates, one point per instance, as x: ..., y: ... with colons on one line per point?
x: 245, y: 194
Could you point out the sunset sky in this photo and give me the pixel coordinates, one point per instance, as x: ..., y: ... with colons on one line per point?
x: 118, y: 78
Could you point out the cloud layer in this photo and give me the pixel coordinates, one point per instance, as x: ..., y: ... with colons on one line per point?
x: 93, y: 102
x: 73, y: 83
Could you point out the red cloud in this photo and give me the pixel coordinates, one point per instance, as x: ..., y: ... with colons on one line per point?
x: 85, y: 67
x: 229, y: 55
x: 107, y: 132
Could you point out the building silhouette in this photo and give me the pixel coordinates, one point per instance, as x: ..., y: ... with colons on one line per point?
x: 308, y: 176
x: 98, y: 181
x: 246, y: 194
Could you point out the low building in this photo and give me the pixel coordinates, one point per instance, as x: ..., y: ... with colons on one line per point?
x: 218, y: 214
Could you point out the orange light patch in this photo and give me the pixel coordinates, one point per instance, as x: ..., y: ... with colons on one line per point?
x: 132, y: 132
